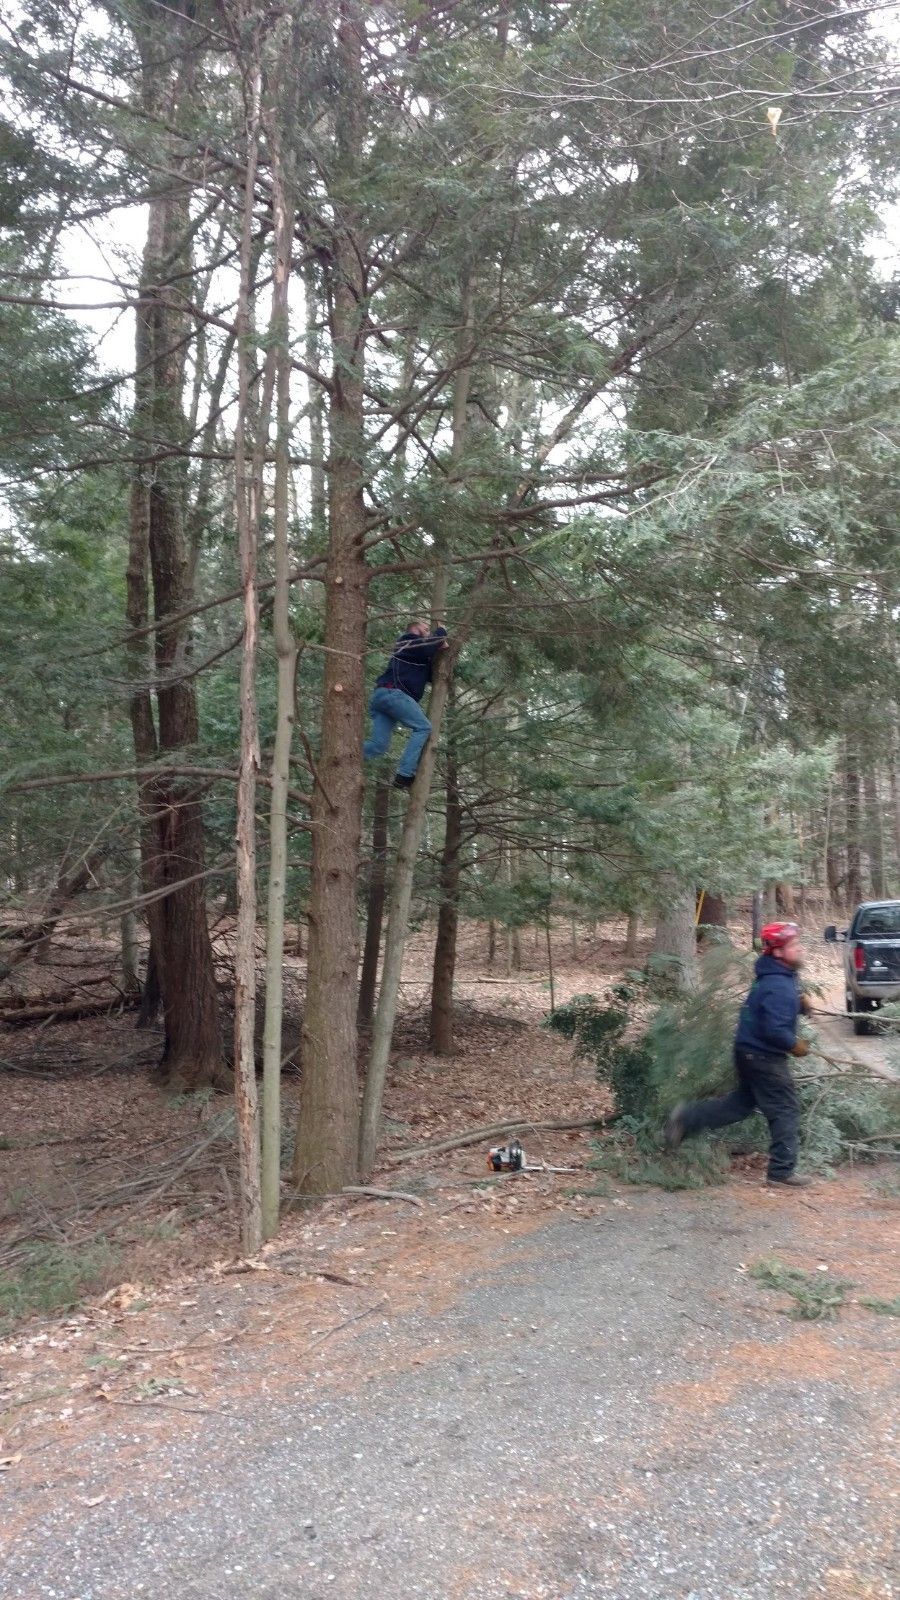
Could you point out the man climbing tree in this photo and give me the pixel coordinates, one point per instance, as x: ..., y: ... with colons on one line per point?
x: 395, y: 698
x: 766, y: 1036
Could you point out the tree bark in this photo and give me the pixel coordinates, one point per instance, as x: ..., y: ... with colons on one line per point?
x: 151, y: 999
x: 441, y: 1024
x: 853, y: 818
x: 368, y: 980
x: 286, y: 655
x: 325, y: 1156
x: 416, y: 814
x: 398, y: 921
x: 874, y: 834
x: 248, y: 494
x: 784, y: 899
x: 172, y: 840
x: 631, y: 935
x: 131, y: 950
x: 675, y: 942
x: 895, y: 813
x: 318, y: 500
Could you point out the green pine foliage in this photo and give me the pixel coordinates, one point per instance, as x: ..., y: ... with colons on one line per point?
x: 816, y: 1296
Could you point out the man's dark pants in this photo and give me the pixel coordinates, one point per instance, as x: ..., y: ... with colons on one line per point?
x: 765, y: 1083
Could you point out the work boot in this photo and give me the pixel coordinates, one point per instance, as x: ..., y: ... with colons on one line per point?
x: 673, y: 1132
x: 795, y: 1180
x: 403, y: 782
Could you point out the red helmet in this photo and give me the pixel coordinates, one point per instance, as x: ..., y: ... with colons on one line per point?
x: 775, y: 935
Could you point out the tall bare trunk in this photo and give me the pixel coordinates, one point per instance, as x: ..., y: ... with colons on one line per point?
x: 172, y: 838
x: 874, y: 832
x: 631, y: 935
x: 247, y: 514
x: 757, y: 918
x: 398, y: 922
x: 414, y: 822
x: 326, y: 1150
x: 441, y: 1023
x: 368, y: 979
x: 853, y: 819
x: 318, y: 499
x: 286, y: 656
x: 895, y: 814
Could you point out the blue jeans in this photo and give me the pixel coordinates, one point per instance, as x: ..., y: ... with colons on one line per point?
x: 765, y: 1084
x: 390, y: 709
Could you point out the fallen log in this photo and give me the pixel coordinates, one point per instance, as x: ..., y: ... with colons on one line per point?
x: 494, y: 1130
x: 68, y: 1011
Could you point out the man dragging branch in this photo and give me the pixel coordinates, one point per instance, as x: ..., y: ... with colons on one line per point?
x: 395, y: 698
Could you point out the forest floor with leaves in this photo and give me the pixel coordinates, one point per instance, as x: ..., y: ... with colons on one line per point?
x: 542, y: 1386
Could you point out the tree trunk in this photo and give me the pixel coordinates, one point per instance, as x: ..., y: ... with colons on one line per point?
x: 151, y: 999
x: 286, y: 655
x: 325, y: 1156
x: 784, y: 899
x: 492, y: 942
x: 895, y: 814
x: 398, y: 921
x: 131, y: 953
x: 248, y: 496
x: 368, y: 980
x: 631, y: 935
x: 712, y: 918
x: 711, y: 912
x: 675, y: 943
x: 874, y: 835
x: 853, y: 818
x: 757, y: 918
x: 172, y: 841
x: 128, y: 932
x: 441, y: 1026
x: 318, y: 500
x: 416, y: 814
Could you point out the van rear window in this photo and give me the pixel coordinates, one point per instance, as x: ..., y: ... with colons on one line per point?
x: 878, y: 922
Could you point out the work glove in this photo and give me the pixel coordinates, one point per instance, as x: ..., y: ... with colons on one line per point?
x: 806, y: 1005
x: 801, y: 1048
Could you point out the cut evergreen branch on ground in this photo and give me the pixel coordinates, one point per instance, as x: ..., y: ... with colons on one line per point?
x: 883, y: 1308
x: 51, y: 1278
x: 816, y: 1296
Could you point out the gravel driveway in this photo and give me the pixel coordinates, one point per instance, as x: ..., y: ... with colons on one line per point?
x: 600, y: 1407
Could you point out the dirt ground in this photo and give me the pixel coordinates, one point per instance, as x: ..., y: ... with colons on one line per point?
x: 165, y: 1398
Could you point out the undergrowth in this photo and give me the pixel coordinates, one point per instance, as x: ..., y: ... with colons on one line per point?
x: 816, y: 1296
x: 54, y: 1277
x: 682, y: 1050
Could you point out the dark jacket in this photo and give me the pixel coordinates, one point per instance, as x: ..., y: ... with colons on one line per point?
x: 409, y: 668
x: 768, y: 1021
